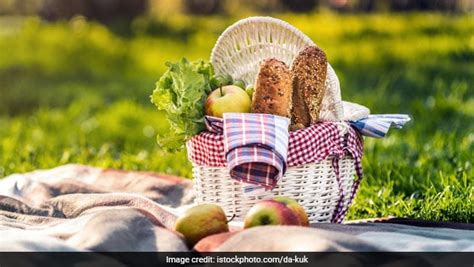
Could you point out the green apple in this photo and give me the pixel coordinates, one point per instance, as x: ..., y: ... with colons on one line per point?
x: 201, y: 221
x: 270, y: 212
x: 295, y: 207
x: 225, y: 99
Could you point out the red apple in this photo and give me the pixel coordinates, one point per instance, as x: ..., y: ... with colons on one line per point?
x: 229, y: 98
x: 295, y: 207
x: 270, y: 212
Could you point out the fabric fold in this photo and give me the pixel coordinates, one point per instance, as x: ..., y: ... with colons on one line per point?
x: 256, y: 147
x: 378, y: 125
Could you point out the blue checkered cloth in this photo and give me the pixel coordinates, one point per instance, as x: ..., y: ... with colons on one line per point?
x: 378, y: 125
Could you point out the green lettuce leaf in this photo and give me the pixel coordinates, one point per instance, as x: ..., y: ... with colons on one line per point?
x: 181, y: 93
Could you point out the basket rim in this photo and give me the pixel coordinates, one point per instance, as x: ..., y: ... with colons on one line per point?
x: 260, y: 19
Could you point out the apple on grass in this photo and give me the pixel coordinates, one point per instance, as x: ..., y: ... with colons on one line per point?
x: 201, y: 221
x: 270, y: 212
x: 229, y: 98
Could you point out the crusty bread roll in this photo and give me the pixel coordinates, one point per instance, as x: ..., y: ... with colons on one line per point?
x: 273, y: 89
x: 309, y: 83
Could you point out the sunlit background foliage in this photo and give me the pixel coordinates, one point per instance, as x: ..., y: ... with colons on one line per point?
x: 75, y: 89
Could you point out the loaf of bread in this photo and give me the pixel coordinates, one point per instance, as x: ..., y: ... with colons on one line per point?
x: 309, y: 82
x: 273, y: 89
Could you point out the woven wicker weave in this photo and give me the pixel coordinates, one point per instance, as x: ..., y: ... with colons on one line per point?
x: 313, y: 185
x: 238, y: 52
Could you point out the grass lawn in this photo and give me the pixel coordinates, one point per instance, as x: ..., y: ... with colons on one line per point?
x: 78, y: 92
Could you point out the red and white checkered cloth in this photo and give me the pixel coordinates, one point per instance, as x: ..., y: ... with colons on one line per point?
x: 312, y: 144
x: 308, y: 145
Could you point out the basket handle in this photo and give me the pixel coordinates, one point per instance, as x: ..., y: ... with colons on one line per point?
x: 336, y: 216
x: 341, y: 210
x: 355, y: 186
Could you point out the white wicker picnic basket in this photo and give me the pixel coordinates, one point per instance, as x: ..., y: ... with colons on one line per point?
x: 238, y: 52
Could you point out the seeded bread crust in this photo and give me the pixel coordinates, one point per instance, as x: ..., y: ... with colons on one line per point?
x: 309, y: 71
x: 273, y: 89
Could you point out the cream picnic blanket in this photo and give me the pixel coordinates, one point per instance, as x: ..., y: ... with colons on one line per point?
x: 82, y: 208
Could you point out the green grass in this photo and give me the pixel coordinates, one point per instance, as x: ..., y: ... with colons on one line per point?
x: 78, y: 92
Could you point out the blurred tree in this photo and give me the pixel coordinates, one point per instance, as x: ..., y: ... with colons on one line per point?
x: 23, y: 7
x: 366, y: 5
x: 57, y: 9
x: 105, y: 10
x: 266, y: 6
x: 373, y: 5
x: 102, y: 10
x: 399, y: 5
x: 448, y: 5
x: 203, y: 7
x: 300, y: 5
